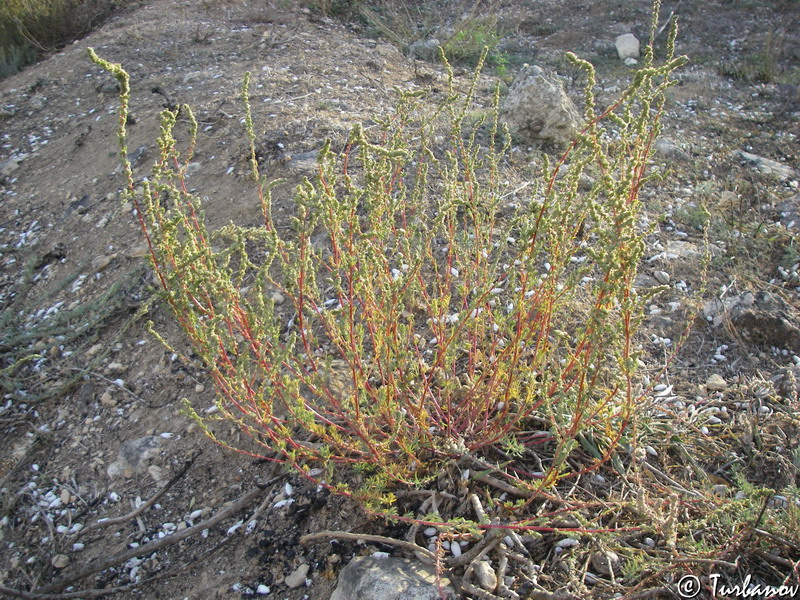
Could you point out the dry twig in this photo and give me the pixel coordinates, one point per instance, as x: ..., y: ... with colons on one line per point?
x: 156, y: 545
x: 135, y: 513
x: 380, y: 539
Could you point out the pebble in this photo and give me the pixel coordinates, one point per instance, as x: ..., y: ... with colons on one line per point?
x: 661, y: 277
x: 138, y: 252
x: 101, y: 262
x: 606, y: 563
x: 107, y: 400
x: 262, y: 590
x: 487, y: 578
x: 297, y: 577
x: 715, y: 383
x: 60, y: 561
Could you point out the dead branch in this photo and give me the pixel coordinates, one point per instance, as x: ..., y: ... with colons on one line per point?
x: 156, y: 545
x: 135, y: 513
x: 312, y: 537
x: 66, y: 595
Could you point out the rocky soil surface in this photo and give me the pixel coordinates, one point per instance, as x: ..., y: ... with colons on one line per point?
x: 92, y: 427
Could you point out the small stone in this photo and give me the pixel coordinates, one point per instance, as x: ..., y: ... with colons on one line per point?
x: 606, y: 563
x: 7, y: 167
x: 716, y: 383
x: 101, y: 262
x: 643, y: 282
x: 138, y: 252
x: 277, y: 298
x: 65, y: 496
x: 156, y: 472
x: 487, y: 578
x: 627, y: 46
x: 115, y: 368
x: 60, y: 561
x: 94, y: 350
x: 662, y: 277
x: 425, y: 49
x: 668, y: 148
x: 297, y: 577
x: 766, y: 165
x: 102, y: 223
x: 199, y: 388
x: 107, y: 399
x: 262, y: 590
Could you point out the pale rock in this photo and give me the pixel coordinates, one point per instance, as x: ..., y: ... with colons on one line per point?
x: 297, y: 577
x: 60, y: 561
x: 138, y: 252
x: 304, y: 162
x: 134, y: 457
x: 156, y: 472
x: 606, y: 563
x: 425, y: 49
x: 662, y: 277
x: 683, y: 249
x: 369, y: 578
x: 643, y: 282
x: 627, y: 46
x: 8, y: 166
x: 94, y: 350
x: 537, y: 108
x: 667, y: 148
x: 766, y: 165
x: 277, y: 298
x: 115, y: 368
x: 715, y: 383
x: 487, y: 578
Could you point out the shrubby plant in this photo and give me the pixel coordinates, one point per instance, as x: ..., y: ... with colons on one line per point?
x: 29, y: 27
x: 435, y: 328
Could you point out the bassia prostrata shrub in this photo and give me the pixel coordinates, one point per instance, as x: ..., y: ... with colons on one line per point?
x: 433, y: 328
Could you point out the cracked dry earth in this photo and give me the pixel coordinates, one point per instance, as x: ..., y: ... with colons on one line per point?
x: 97, y: 430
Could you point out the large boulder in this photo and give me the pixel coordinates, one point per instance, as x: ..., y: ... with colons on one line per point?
x: 538, y: 110
x: 372, y: 578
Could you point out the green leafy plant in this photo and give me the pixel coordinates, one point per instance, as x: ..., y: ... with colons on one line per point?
x: 409, y: 325
x: 468, y: 43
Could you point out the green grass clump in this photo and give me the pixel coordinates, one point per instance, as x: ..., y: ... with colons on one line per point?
x: 427, y: 332
x: 31, y: 27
